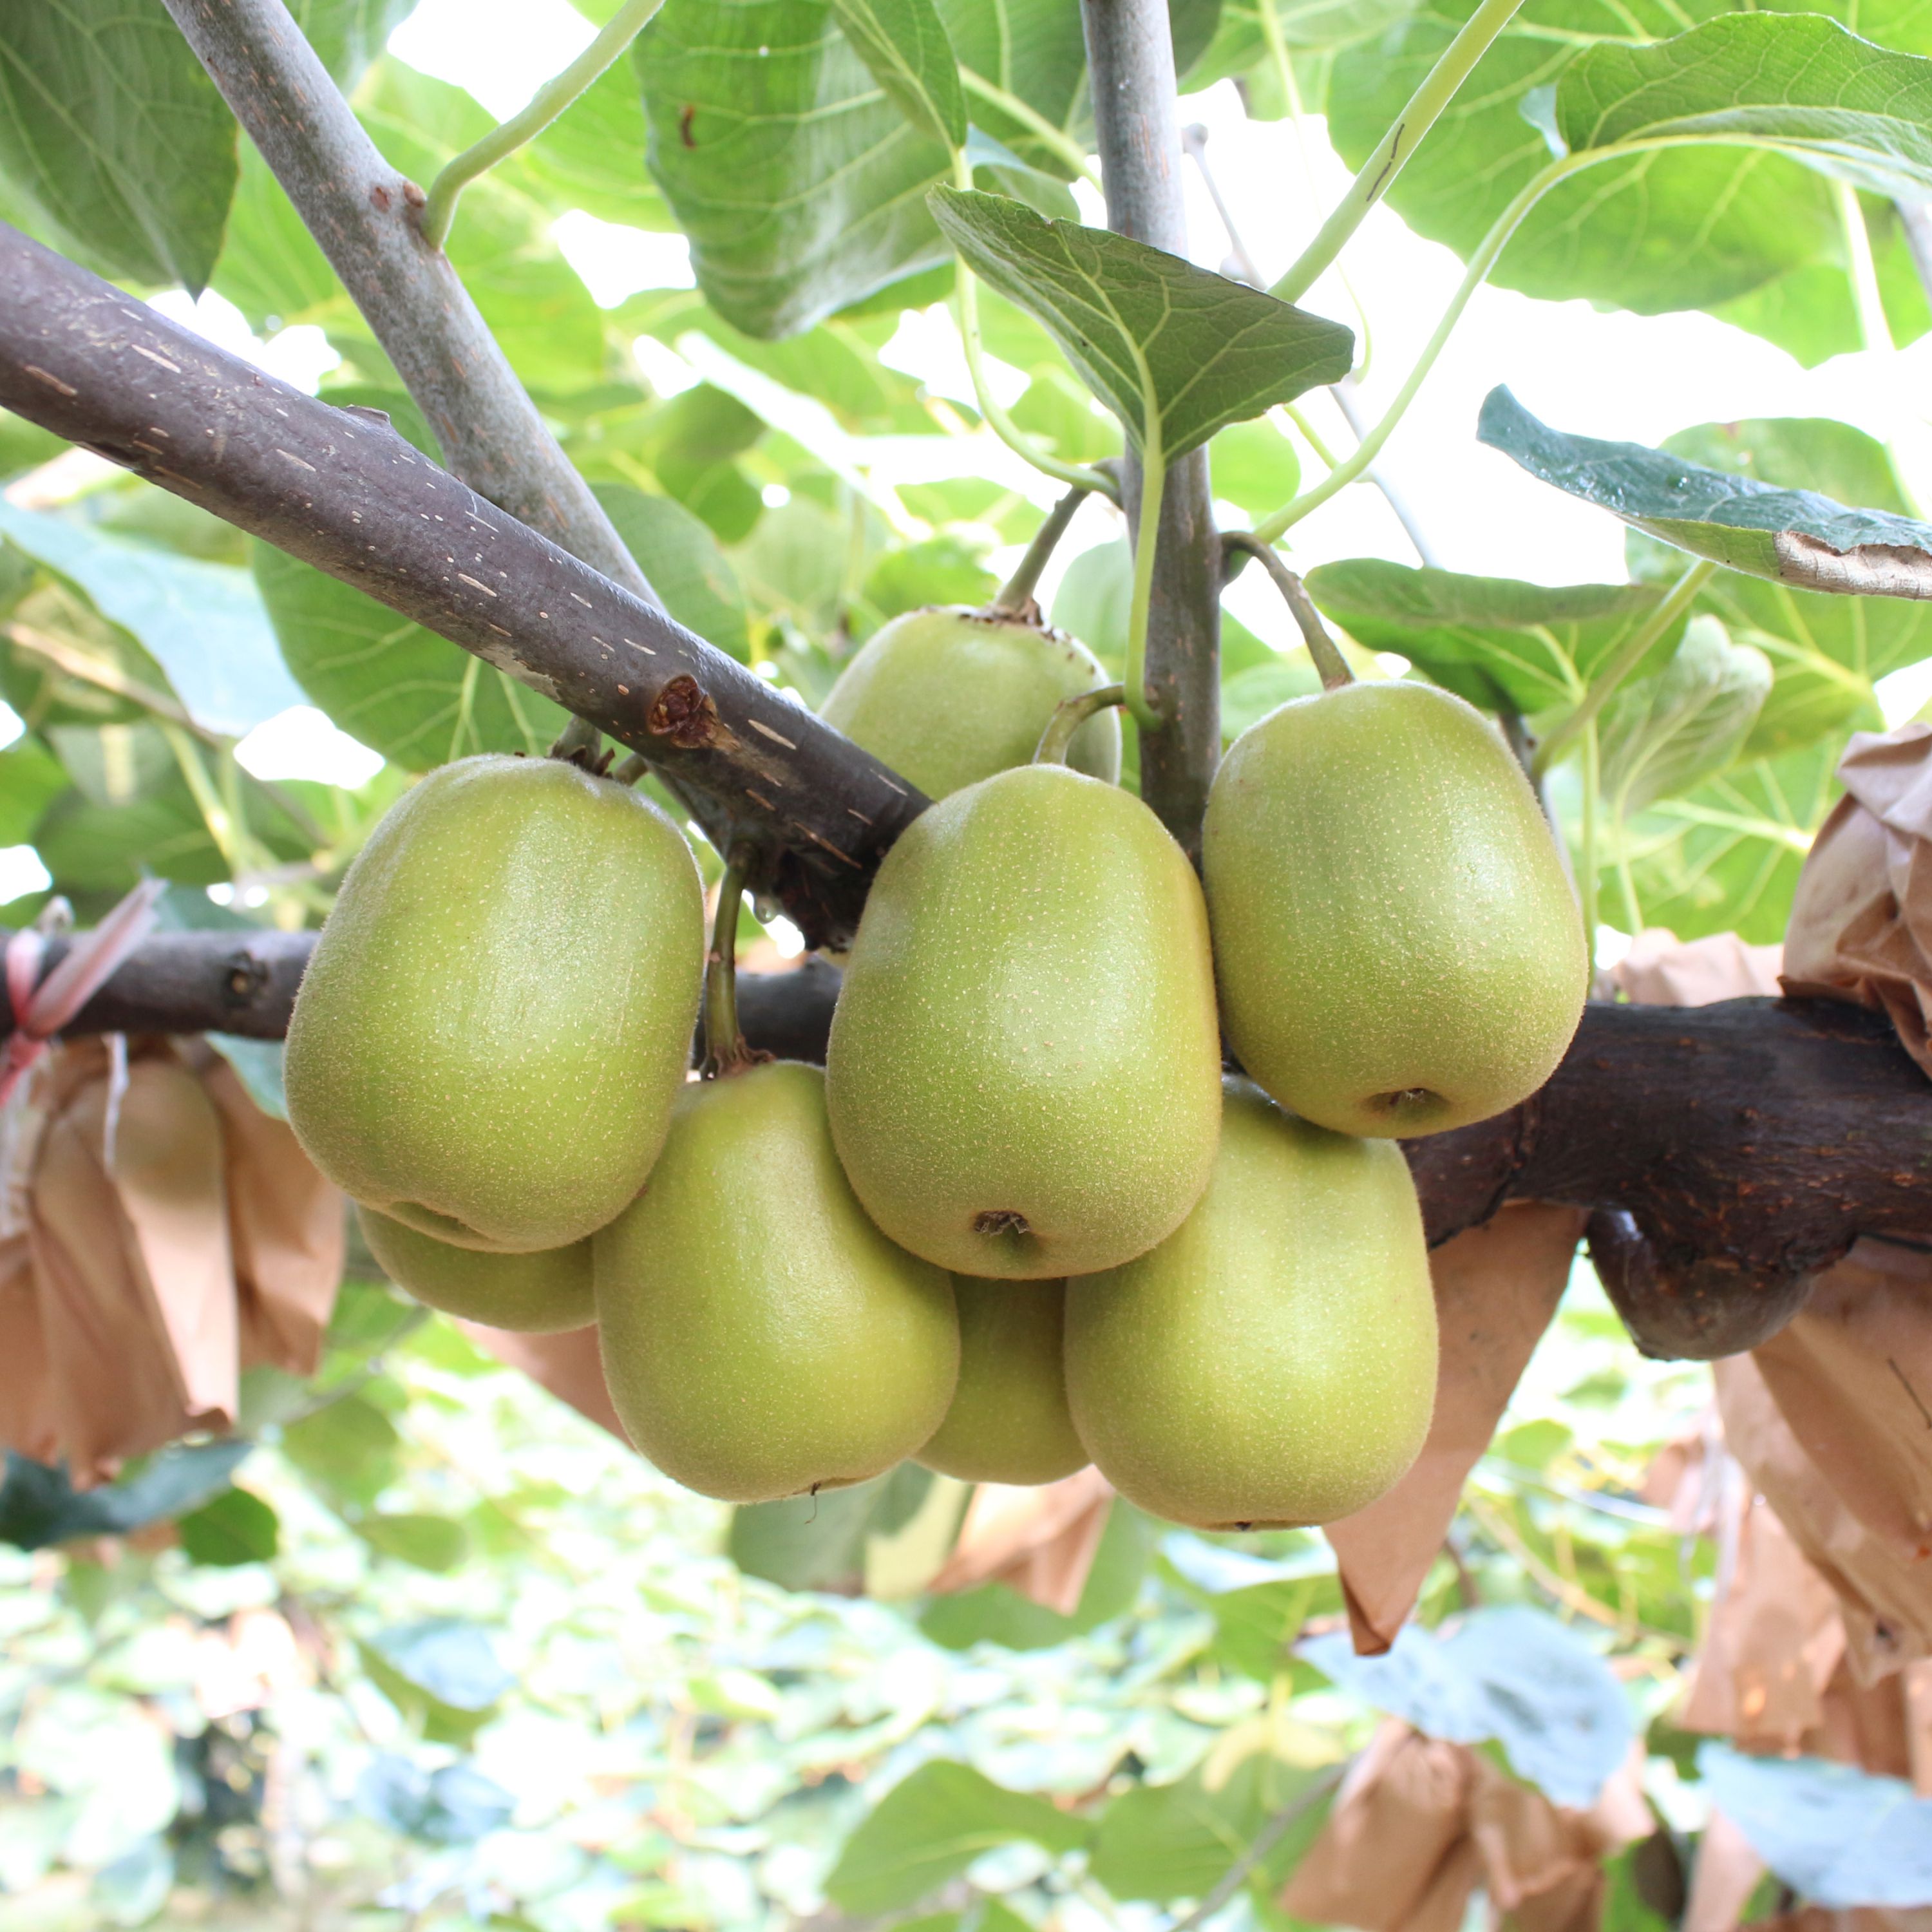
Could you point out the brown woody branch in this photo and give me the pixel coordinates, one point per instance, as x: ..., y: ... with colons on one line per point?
x: 341, y: 489
x: 1749, y: 1143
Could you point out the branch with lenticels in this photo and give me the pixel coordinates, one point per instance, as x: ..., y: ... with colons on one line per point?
x: 343, y: 490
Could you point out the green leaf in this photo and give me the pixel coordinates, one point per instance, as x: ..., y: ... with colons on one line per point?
x: 348, y: 34
x: 1694, y: 227
x: 1800, y: 83
x: 1255, y: 467
x: 1668, y: 733
x: 402, y: 691
x: 30, y: 778
x: 25, y: 446
x: 111, y: 130
x: 235, y: 1527
x: 905, y: 44
x: 797, y: 181
x: 433, y: 1543
x: 1159, y: 341
x: 40, y: 1506
x: 350, y: 1448
x: 203, y: 622
x: 684, y: 565
x: 930, y: 1827
x: 1033, y: 50
x: 1725, y: 857
x: 818, y: 1543
x: 1164, y: 1842
x: 1790, y: 536
x: 995, y: 1614
x: 1826, y: 651
x: 1248, y: 696
x: 1503, y: 645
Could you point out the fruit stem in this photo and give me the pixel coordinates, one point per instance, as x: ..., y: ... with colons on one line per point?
x: 1322, y: 647
x: 578, y: 743
x: 725, y: 1052
x: 1069, y: 715
x: 630, y: 770
x: 1016, y: 596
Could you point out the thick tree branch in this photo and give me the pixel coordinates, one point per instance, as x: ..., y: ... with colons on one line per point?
x: 365, y: 216
x: 1751, y: 1142
x: 1137, y: 127
x: 343, y: 490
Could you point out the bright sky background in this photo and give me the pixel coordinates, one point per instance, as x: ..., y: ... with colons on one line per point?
x: 1607, y: 374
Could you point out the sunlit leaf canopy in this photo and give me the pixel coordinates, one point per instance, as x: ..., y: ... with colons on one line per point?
x: 531, y: 1682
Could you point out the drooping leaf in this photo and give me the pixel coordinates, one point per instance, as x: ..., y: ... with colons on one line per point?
x: 1790, y: 536
x: 1159, y: 341
x: 1502, y: 644
x: 1666, y: 733
x: 1800, y: 83
x: 39, y: 1506
x: 204, y: 623
x: 349, y: 1447
x: 905, y: 44
x: 797, y: 181
x: 930, y: 1827
x: 1513, y: 1674
x: 818, y: 1543
x: 1839, y: 1835
x: 234, y: 1528
x: 1826, y: 652
x: 111, y: 131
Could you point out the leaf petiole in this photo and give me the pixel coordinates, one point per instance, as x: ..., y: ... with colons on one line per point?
x: 1147, y: 541
x: 545, y: 105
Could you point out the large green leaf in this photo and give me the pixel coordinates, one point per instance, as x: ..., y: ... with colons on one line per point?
x: 402, y: 691
x: 109, y: 129
x: 203, y: 622
x: 930, y: 1827
x: 1668, y: 732
x: 1788, y: 536
x: 905, y: 44
x: 800, y: 185
x: 1689, y: 228
x: 1154, y: 337
x: 1504, y: 645
x: 1826, y: 652
x: 349, y: 34
x: 1801, y: 83
x: 1032, y: 49
x: 1725, y: 857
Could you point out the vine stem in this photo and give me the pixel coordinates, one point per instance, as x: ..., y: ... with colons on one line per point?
x: 1629, y: 654
x: 1069, y: 715
x: 1391, y: 153
x: 1016, y: 594
x: 725, y: 1052
x: 966, y: 296
x: 1064, y: 147
x: 1271, y: 528
x: 1322, y: 647
x: 544, y: 107
x: 1874, y: 328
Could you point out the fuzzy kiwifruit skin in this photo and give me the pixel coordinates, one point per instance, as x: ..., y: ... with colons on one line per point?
x: 1023, y: 1071
x: 498, y: 1014
x: 1397, y: 944
x: 1273, y: 1362
x: 1009, y: 1422
x: 542, y: 1293
x: 948, y: 695
x: 760, y: 1337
